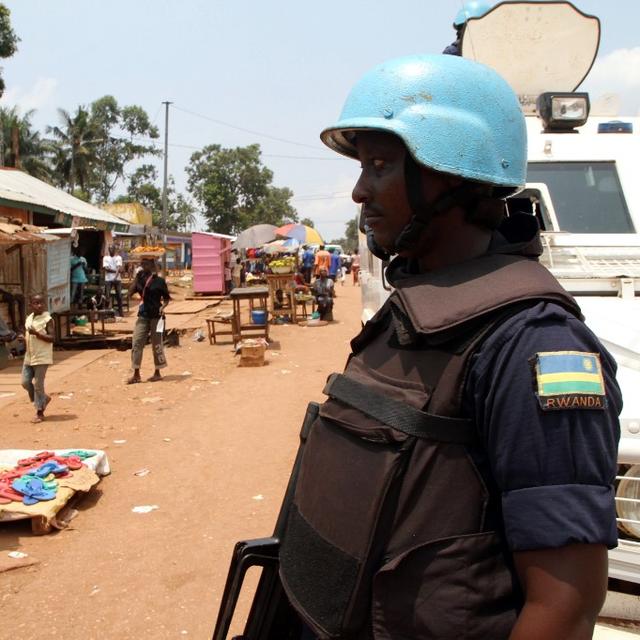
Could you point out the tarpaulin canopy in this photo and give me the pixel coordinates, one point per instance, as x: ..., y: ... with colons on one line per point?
x: 255, y: 236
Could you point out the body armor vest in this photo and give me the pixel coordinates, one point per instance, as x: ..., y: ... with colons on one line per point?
x: 393, y: 533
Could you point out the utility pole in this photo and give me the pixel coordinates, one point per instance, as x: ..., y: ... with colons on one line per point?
x: 164, y: 187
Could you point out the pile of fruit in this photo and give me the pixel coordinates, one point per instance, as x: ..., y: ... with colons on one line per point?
x: 148, y: 249
x: 283, y: 265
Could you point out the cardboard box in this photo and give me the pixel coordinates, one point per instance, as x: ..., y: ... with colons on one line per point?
x: 252, y: 355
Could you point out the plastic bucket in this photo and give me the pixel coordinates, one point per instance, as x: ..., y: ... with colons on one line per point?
x: 259, y: 316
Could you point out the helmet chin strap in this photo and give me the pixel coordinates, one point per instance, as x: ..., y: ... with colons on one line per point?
x: 423, y: 212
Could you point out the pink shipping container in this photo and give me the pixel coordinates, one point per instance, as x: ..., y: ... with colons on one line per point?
x: 210, y: 250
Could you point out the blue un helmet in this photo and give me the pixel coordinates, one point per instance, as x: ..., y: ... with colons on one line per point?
x: 471, y: 9
x: 455, y: 116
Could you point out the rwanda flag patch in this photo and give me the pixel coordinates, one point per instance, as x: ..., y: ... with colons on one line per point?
x: 569, y: 380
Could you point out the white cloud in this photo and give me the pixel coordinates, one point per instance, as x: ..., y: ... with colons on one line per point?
x: 35, y: 97
x: 617, y: 72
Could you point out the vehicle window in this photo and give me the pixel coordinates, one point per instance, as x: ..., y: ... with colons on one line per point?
x: 587, y: 196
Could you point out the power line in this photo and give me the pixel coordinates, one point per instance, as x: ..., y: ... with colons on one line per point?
x: 255, y: 133
x: 178, y: 145
x: 335, y: 196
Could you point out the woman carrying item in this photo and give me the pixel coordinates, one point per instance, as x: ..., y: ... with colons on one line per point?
x: 355, y: 267
x: 155, y: 297
x: 38, y: 355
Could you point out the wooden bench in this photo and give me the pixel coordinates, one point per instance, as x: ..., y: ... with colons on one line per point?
x: 225, y: 318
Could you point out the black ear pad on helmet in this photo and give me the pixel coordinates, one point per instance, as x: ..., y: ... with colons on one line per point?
x: 423, y: 212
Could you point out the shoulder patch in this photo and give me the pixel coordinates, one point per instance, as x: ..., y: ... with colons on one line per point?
x: 569, y: 380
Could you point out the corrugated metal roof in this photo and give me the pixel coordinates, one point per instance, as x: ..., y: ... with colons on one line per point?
x: 21, y: 188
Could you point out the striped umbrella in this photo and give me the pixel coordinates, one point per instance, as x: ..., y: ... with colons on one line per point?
x: 301, y: 233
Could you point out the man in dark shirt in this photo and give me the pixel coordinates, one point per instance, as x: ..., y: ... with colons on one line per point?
x: 154, y: 293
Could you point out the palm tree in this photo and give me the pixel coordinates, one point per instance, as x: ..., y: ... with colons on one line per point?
x: 21, y: 146
x: 183, y: 214
x: 73, y: 151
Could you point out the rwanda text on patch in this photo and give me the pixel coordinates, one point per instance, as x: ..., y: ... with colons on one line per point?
x: 569, y: 380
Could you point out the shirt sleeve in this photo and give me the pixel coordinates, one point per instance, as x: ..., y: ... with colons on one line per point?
x: 554, y: 468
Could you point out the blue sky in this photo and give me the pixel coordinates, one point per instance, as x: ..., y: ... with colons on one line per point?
x: 278, y: 67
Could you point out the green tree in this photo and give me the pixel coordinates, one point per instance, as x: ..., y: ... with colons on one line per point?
x: 233, y: 189
x: 351, y: 235
x: 308, y: 222
x: 142, y: 188
x: 92, y: 148
x: 124, y: 134
x: 22, y: 147
x: 74, y: 149
x: 8, y: 39
x: 183, y: 214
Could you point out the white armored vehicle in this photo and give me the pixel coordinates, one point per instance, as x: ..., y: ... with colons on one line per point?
x: 583, y: 186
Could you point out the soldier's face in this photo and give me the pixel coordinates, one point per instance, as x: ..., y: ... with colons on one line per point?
x: 382, y: 190
x: 381, y: 187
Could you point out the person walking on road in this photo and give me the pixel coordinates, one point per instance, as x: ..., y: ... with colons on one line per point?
x: 458, y: 482
x: 308, y: 259
x: 334, y: 264
x: 38, y: 355
x: 154, y: 294
x: 355, y: 267
x: 236, y: 273
x: 112, y: 266
x: 322, y: 260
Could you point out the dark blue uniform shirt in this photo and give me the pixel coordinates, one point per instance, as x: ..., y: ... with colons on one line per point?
x: 552, y: 469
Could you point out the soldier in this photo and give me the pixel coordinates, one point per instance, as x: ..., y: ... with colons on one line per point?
x: 458, y: 482
x: 470, y: 9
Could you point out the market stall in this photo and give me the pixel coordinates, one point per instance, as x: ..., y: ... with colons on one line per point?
x: 281, y: 259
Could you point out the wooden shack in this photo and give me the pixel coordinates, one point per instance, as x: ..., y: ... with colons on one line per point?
x: 31, y: 262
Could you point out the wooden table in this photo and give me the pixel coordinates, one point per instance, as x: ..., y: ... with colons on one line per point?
x: 282, y: 282
x: 92, y: 316
x: 252, y: 295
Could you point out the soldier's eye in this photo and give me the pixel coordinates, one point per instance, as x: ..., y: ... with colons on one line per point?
x: 378, y: 164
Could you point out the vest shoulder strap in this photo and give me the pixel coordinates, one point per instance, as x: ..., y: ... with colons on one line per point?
x: 398, y: 415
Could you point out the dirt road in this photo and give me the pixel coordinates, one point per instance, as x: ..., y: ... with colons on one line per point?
x: 218, y: 440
